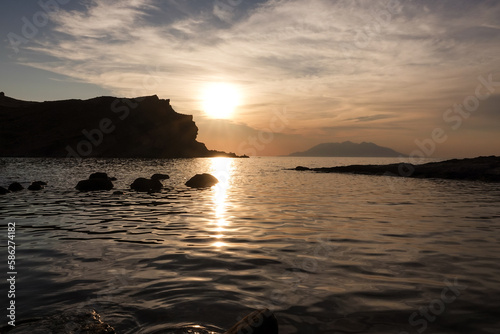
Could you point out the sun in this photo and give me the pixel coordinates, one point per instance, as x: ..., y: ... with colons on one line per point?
x: 220, y: 100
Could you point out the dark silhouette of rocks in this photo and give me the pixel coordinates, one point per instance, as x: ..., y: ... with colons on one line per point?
x: 37, y: 185
x: 75, y: 321
x: 160, y: 177
x: 202, y: 181
x: 4, y: 191
x: 302, y: 168
x: 96, y: 181
x: 146, y: 185
x: 118, y: 193
x: 348, y: 149
x: 94, y: 185
x: 16, y: 186
x: 98, y: 175
x: 89, y: 322
x: 480, y: 169
x: 257, y: 322
x: 145, y: 127
x: 101, y: 175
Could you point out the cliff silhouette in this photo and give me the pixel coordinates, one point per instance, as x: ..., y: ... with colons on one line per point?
x: 143, y: 127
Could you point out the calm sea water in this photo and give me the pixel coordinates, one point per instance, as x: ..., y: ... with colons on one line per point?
x: 329, y: 253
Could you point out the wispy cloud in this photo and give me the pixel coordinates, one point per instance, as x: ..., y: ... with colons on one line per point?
x: 333, y: 63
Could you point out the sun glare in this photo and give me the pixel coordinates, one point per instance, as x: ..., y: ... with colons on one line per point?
x: 220, y: 100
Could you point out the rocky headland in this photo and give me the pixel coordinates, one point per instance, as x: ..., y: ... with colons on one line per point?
x: 144, y: 127
x: 478, y: 169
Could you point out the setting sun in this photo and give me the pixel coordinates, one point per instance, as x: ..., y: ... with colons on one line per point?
x: 220, y: 100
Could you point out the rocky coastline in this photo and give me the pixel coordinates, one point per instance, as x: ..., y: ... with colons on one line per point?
x: 106, y: 127
x: 485, y: 169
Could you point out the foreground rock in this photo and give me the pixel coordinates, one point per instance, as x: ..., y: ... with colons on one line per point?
x: 4, y: 191
x: 146, y: 185
x: 202, y: 181
x: 82, y: 322
x: 16, y: 186
x: 37, y: 185
x: 477, y: 169
x: 96, y: 181
x: 257, y: 322
x: 160, y: 177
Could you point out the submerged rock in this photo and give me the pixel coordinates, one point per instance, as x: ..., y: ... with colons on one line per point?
x: 302, y: 168
x: 146, y: 185
x: 94, y: 185
x: 79, y: 321
x: 118, y: 192
x: 37, y: 185
x: 257, y: 322
x: 96, y: 181
x: 16, y: 186
x: 98, y: 175
x: 101, y: 175
x: 202, y: 181
x: 42, y: 183
x: 4, y: 191
x: 160, y: 177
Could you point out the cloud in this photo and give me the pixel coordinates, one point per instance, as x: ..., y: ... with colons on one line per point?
x: 370, y: 118
x: 332, y: 63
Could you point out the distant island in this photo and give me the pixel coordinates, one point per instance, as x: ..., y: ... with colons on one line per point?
x: 348, y: 149
x: 143, y: 127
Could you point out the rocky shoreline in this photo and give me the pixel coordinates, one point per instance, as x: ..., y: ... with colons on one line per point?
x: 485, y: 169
x: 89, y: 322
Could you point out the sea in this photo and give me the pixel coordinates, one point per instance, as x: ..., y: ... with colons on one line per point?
x: 327, y: 253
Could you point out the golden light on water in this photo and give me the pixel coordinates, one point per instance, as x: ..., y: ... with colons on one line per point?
x: 221, y: 168
x: 220, y: 100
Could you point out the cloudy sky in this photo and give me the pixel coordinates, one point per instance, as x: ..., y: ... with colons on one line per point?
x: 419, y: 76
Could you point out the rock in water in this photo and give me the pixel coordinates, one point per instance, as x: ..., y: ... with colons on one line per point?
x: 160, y: 177
x: 3, y: 191
x: 202, y: 181
x: 80, y: 321
x: 98, y: 175
x: 257, y: 322
x: 94, y: 184
x: 42, y: 183
x: 146, y: 185
x: 16, y: 186
x: 37, y: 185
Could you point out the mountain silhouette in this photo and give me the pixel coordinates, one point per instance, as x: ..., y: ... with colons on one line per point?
x: 348, y: 149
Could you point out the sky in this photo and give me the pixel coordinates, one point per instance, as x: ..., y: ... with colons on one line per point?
x: 419, y: 76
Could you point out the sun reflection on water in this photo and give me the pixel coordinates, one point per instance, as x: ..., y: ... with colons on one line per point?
x: 221, y: 169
